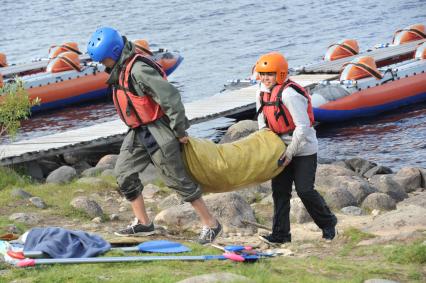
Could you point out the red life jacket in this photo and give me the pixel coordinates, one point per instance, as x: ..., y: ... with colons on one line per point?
x: 135, y: 110
x: 277, y: 116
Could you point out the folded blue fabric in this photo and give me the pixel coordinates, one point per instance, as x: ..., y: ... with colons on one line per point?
x: 62, y: 243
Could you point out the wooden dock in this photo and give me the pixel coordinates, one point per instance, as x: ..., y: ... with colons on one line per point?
x: 225, y: 104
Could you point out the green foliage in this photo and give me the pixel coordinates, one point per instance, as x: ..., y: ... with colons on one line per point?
x: 9, y: 177
x: 15, y: 106
x: 353, y: 236
x: 412, y: 253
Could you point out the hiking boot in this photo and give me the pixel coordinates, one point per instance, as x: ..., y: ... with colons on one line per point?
x: 136, y: 229
x: 329, y: 233
x: 208, y: 234
x: 274, y: 241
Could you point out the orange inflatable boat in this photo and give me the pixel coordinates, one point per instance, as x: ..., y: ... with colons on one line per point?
x: 69, y: 78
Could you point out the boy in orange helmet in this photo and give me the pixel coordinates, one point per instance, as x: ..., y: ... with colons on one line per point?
x: 285, y: 108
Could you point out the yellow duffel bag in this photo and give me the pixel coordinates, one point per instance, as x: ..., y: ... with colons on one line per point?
x: 227, y: 167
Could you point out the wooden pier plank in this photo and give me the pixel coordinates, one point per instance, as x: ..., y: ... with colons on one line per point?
x: 223, y: 104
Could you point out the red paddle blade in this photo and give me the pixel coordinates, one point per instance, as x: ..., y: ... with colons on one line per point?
x: 16, y: 255
x: 26, y: 262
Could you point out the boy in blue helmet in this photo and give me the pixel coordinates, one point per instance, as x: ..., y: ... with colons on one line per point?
x: 153, y: 110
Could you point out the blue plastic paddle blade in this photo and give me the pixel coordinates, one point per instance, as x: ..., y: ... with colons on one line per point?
x: 163, y: 246
x: 232, y: 248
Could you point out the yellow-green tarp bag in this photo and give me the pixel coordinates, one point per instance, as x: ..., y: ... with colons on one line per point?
x: 228, y: 167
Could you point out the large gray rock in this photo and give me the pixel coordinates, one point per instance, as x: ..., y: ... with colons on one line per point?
x: 356, y: 185
x: 360, y: 165
x: 324, y: 177
x: 377, y: 170
x: 352, y: 210
x: 88, y: 206
x: 229, y: 208
x: 239, y: 130
x: 416, y: 198
x: 423, y: 174
x: 408, y: 218
x: 379, y: 201
x: 217, y: 278
x: 62, y: 175
x: 20, y: 193
x: 170, y: 201
x: 338, y: 198
x: 298, y: 212
x: 107, y: 161
x: 49, y: 164
x: 94, y: 171
x: 409, y: 178
x: 26, y: 218
x: 386, y: 184
x: 255, y: 193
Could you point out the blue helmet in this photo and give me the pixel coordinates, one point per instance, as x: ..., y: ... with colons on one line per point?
x: 105, y: 42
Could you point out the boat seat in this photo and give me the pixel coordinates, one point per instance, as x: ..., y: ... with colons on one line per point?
x: 342, y: 49
x: 361, y: 67
x: 64, y: 62
x: 410, y: 33
x: 55, y: 50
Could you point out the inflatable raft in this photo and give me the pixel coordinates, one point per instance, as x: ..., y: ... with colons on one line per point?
x: 69, y: 78
x: 364, y: 89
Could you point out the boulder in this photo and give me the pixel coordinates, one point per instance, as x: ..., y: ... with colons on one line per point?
x: 359, y: 165
x: 325, y: 174
x: 298, y: 212
x: 239, y: 130
x: 20, y: 193
x: 170, y: 201
x: 377, y: 170
x: 26, y: 218
x: 378, y: 201
x: 229, y: 208
x: 62, y: 175
x: 409, y: 178
x: 255, y: 193
x: 352, y: 210
x: 386, y: 184
x: 423, y: 174
x: 417, y: 198
x: 338, y: 198
x: 406, y: 219
x: 107, y: 161
x: 93, y: 171
x: 88, y: 206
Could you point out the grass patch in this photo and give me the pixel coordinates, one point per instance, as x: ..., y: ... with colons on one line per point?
x: 9, y: 178
x: 352, y: 237
x: 282, y: 269
x: 410, y: 253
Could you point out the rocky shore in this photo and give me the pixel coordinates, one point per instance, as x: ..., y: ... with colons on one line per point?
x: 370, y: 197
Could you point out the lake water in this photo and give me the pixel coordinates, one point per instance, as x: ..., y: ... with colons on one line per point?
x: 220, y: 41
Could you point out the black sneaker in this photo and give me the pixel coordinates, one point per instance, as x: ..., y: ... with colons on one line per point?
x: 329, y: 233
x: 208, y: 234
x: 137, y: 229
x: 272, y: 240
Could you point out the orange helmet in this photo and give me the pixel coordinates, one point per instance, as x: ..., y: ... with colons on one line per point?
x: 410, y: 33
x: 3, y: 61
x: 273, y: 62
x: 142, y: 46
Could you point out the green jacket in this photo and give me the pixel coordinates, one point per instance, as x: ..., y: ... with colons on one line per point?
x: 146, y: 79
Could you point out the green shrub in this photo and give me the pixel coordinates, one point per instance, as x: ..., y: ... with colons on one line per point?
x: 15, y: 105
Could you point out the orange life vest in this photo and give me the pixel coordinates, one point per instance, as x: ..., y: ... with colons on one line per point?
x: 277, y: 116
x: 135, y: 110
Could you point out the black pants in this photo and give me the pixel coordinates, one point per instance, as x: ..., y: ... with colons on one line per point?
x: 301, y: 171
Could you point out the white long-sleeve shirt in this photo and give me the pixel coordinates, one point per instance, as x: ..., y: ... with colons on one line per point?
x: 303, y: 141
